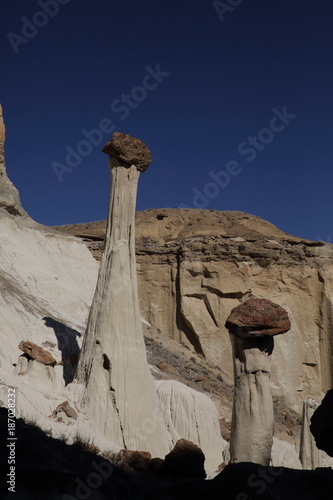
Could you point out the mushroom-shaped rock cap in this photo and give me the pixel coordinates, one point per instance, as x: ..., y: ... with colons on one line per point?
x: 128, y: 151
x: 258, y: 318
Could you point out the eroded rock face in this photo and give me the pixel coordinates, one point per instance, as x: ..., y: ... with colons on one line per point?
x: 192, y: 415
x: 195, y: 266
x: 9, y: 195
x: 37, y: 353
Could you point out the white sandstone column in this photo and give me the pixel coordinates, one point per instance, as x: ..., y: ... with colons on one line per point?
x: 252, y: 326
x: 120, y: 391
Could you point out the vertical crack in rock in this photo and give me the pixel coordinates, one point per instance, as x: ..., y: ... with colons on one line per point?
x: 181, y: 322
x: 252, y: 326
x: 116, y: 321
x: 9, y: 195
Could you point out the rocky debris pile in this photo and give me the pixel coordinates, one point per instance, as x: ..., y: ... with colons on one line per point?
x: 185, y: 460
x: 252, y: 326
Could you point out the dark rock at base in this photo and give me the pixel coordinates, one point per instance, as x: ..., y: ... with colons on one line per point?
x: 322, y: 425
x: 49, y: 469
x: 185, y: 460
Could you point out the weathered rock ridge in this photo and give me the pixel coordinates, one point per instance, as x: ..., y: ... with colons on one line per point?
x: 195, y: 266
x: 9, y: 195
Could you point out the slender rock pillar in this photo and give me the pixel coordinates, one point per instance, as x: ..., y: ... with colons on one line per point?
x: 9, y: 195
x: 120, y: 392
x: 251, y: 326
x: 309, y: 454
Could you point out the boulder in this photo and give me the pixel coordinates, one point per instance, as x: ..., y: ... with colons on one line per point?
x: 37, y: 353
x: 128, y: 151
x: 65, y: 408
x: 258, y: 318
x: 185, y: 460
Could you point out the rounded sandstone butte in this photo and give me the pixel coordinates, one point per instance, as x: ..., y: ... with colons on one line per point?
x: 128, y: 151
x: 258, y: 318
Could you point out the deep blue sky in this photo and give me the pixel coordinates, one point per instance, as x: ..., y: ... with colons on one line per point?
x: 225, y: 78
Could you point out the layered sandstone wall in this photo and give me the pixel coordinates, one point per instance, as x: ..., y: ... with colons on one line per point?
x: 189, y: 285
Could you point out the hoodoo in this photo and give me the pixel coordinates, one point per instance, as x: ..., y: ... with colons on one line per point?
x: 120, y: 391
x: 252, y: 326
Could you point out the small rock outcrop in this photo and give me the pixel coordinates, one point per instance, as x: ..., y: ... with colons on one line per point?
x: 322, y: 424
x: 9, y: 195
x: 132, y: 461
x: 66, y: 409
x: 37, y: 353
x: 252, y: 326
x: 120, y: 392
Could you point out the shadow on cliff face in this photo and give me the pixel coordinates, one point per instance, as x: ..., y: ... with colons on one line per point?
x: 322, y: 424
x: 67, y: 344
x: 49, y: 469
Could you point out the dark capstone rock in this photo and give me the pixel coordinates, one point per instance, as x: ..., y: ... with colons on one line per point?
x: 322, y: 424
x: 128, y: 151
x: 185, y: 460
x: 37, y: 353
x: 258, y: 318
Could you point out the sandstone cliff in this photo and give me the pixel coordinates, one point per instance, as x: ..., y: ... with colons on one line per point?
x: 9, y: 195
x: 194, y: 266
